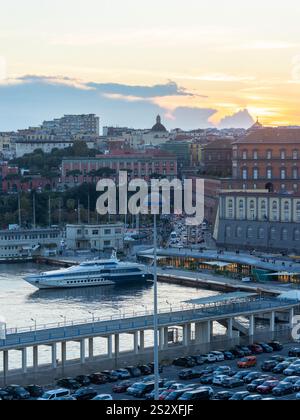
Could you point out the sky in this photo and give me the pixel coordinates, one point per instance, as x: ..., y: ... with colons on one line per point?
x: 214, y: 63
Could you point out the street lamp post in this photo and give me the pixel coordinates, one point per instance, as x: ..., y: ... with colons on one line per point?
x: 156, y: 344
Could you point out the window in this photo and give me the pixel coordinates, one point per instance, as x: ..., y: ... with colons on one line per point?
x: 275, y: 211
x: 250, y: 232
x: 282, y: 154
x: 295, y: 173
x: 239, y: 232
x: 269, y: 173
x: 273, y: 234
x: 261, y: 233
x: 245, y: 154
x: 263, y: 209
x: 269, y: 154
x: 245, y: 173
x: 295, y: 154
x: 284, y: 234
x: 255, y: 154
x: 228, y: 232
x: 107, y: 231
x: 252, y: 209
x: 230, y: 209
x: 255, y: 173
x: 296, y: 235
x: 298, y: 212
x: 283, y: 173
x: 286, y: 211
x: 241, y: 209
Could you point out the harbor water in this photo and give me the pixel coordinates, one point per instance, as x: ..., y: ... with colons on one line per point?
x: 21, y: 305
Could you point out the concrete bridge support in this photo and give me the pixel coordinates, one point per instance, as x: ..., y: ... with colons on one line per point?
x: 203, y: 332
x: 82, y: 351
x: 35, y: 358
x: 187, y: 330
x: 24, y: 360
x: 91, y: 348
x: 110, y: 346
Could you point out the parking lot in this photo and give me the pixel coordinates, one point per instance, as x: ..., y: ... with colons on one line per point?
x: 207, y: 375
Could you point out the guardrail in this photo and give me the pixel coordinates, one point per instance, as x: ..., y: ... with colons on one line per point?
x: 193, y: 310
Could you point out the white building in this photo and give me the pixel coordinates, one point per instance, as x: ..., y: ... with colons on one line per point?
x: 24, y: 147
x: 97, y: 237
x: 22, y: 244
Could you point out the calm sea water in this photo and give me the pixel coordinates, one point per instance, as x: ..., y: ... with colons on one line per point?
x: 20, y: 304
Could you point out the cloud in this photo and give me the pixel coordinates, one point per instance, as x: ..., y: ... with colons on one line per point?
x: 31, y: 99
x: 241, y: 119
x: 189, y: 118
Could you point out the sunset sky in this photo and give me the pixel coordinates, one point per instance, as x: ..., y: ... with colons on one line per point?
x: 222, y: 56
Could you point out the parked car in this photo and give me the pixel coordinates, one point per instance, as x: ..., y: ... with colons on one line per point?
x: 247, y: 362
x: 268, y: 365
x: 201, y: 394
x: 297, y: 386
x: 223, y: 370
x: 103, y: 397
x: 232, y: 383
x: 251, y: 377
x: 188, y: 374
x: 220, y: 356
x: 207, y: 379
x: 241, y: 374
x: 175, y: 395
x: 121, y: 387
x: 5, y: 396
x: 239, y: 396
x: 228, y: 355
x: 68, y: 383
x: 256, y: 349
x: 85, y: 394
x: 140, y: 389
x: 276, y: 345
x: 54, y: 394
x: 134, y: 371
x: 281, y: 367
x: 83, y: 380
x: 267, y: 387
x: 223, y: 396
x: 283, y: 389
x: 35, y: 391
x: 112, y: 376
x: 151, y: 395
x: 246, y: 350
x: 218, y: 380
x: 294, y: 352
x: 266, y: 348
x: 238, y: 353
x: 145, y: 369
x: 253, y: 398
x: 184, y: 362
x: 291, y: 380
x: 198, y: 360
x: 278, y: 358
x: 151, y: 366
x: 255, y: 384
x: 17, y: 392
x: 123, y: 373
x: 98, y: 379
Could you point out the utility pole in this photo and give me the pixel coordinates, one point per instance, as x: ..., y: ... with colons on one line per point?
x: 49, y: 211
x: 89, y: 205
x: 19, y: 210
x: 33, y: 210
x: 78, y: 213
x: 59, y: 212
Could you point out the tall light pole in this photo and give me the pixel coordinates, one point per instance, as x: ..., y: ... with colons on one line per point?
x: 155, y: 320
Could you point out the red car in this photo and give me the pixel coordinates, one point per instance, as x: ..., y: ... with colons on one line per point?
x: 267, y: 387
x: 121, y: 387
x: 256, y: 349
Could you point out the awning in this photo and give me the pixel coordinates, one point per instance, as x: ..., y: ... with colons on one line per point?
x: 219, y: 264
x: 282, y: 273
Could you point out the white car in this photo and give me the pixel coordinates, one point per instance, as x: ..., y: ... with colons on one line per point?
x: 219, y: 379
x: 103, y: 397
x: 210, y: 358
x: 55, y: 393
x: 220, y: 356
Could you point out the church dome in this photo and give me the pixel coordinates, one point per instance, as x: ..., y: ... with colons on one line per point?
x: 158, y: 127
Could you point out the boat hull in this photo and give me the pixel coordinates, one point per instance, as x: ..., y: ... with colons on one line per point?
x: 44, y: 283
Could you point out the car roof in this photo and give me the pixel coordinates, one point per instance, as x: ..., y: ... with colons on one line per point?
x: 55, y: 391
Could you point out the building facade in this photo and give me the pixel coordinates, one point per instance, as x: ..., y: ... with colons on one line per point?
x: 96, y: 237
x: 23, y: 244
x: 267, y: 158
x: 138, y: 165
x: 258, y: 219
x: 217, y: 157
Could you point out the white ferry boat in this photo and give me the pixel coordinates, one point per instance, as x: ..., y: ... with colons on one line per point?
x: 92, y: 273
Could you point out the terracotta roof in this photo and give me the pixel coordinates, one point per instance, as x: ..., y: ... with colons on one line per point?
x: 272, y: 135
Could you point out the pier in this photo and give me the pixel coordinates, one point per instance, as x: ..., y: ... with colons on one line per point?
x: 194, y: 319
